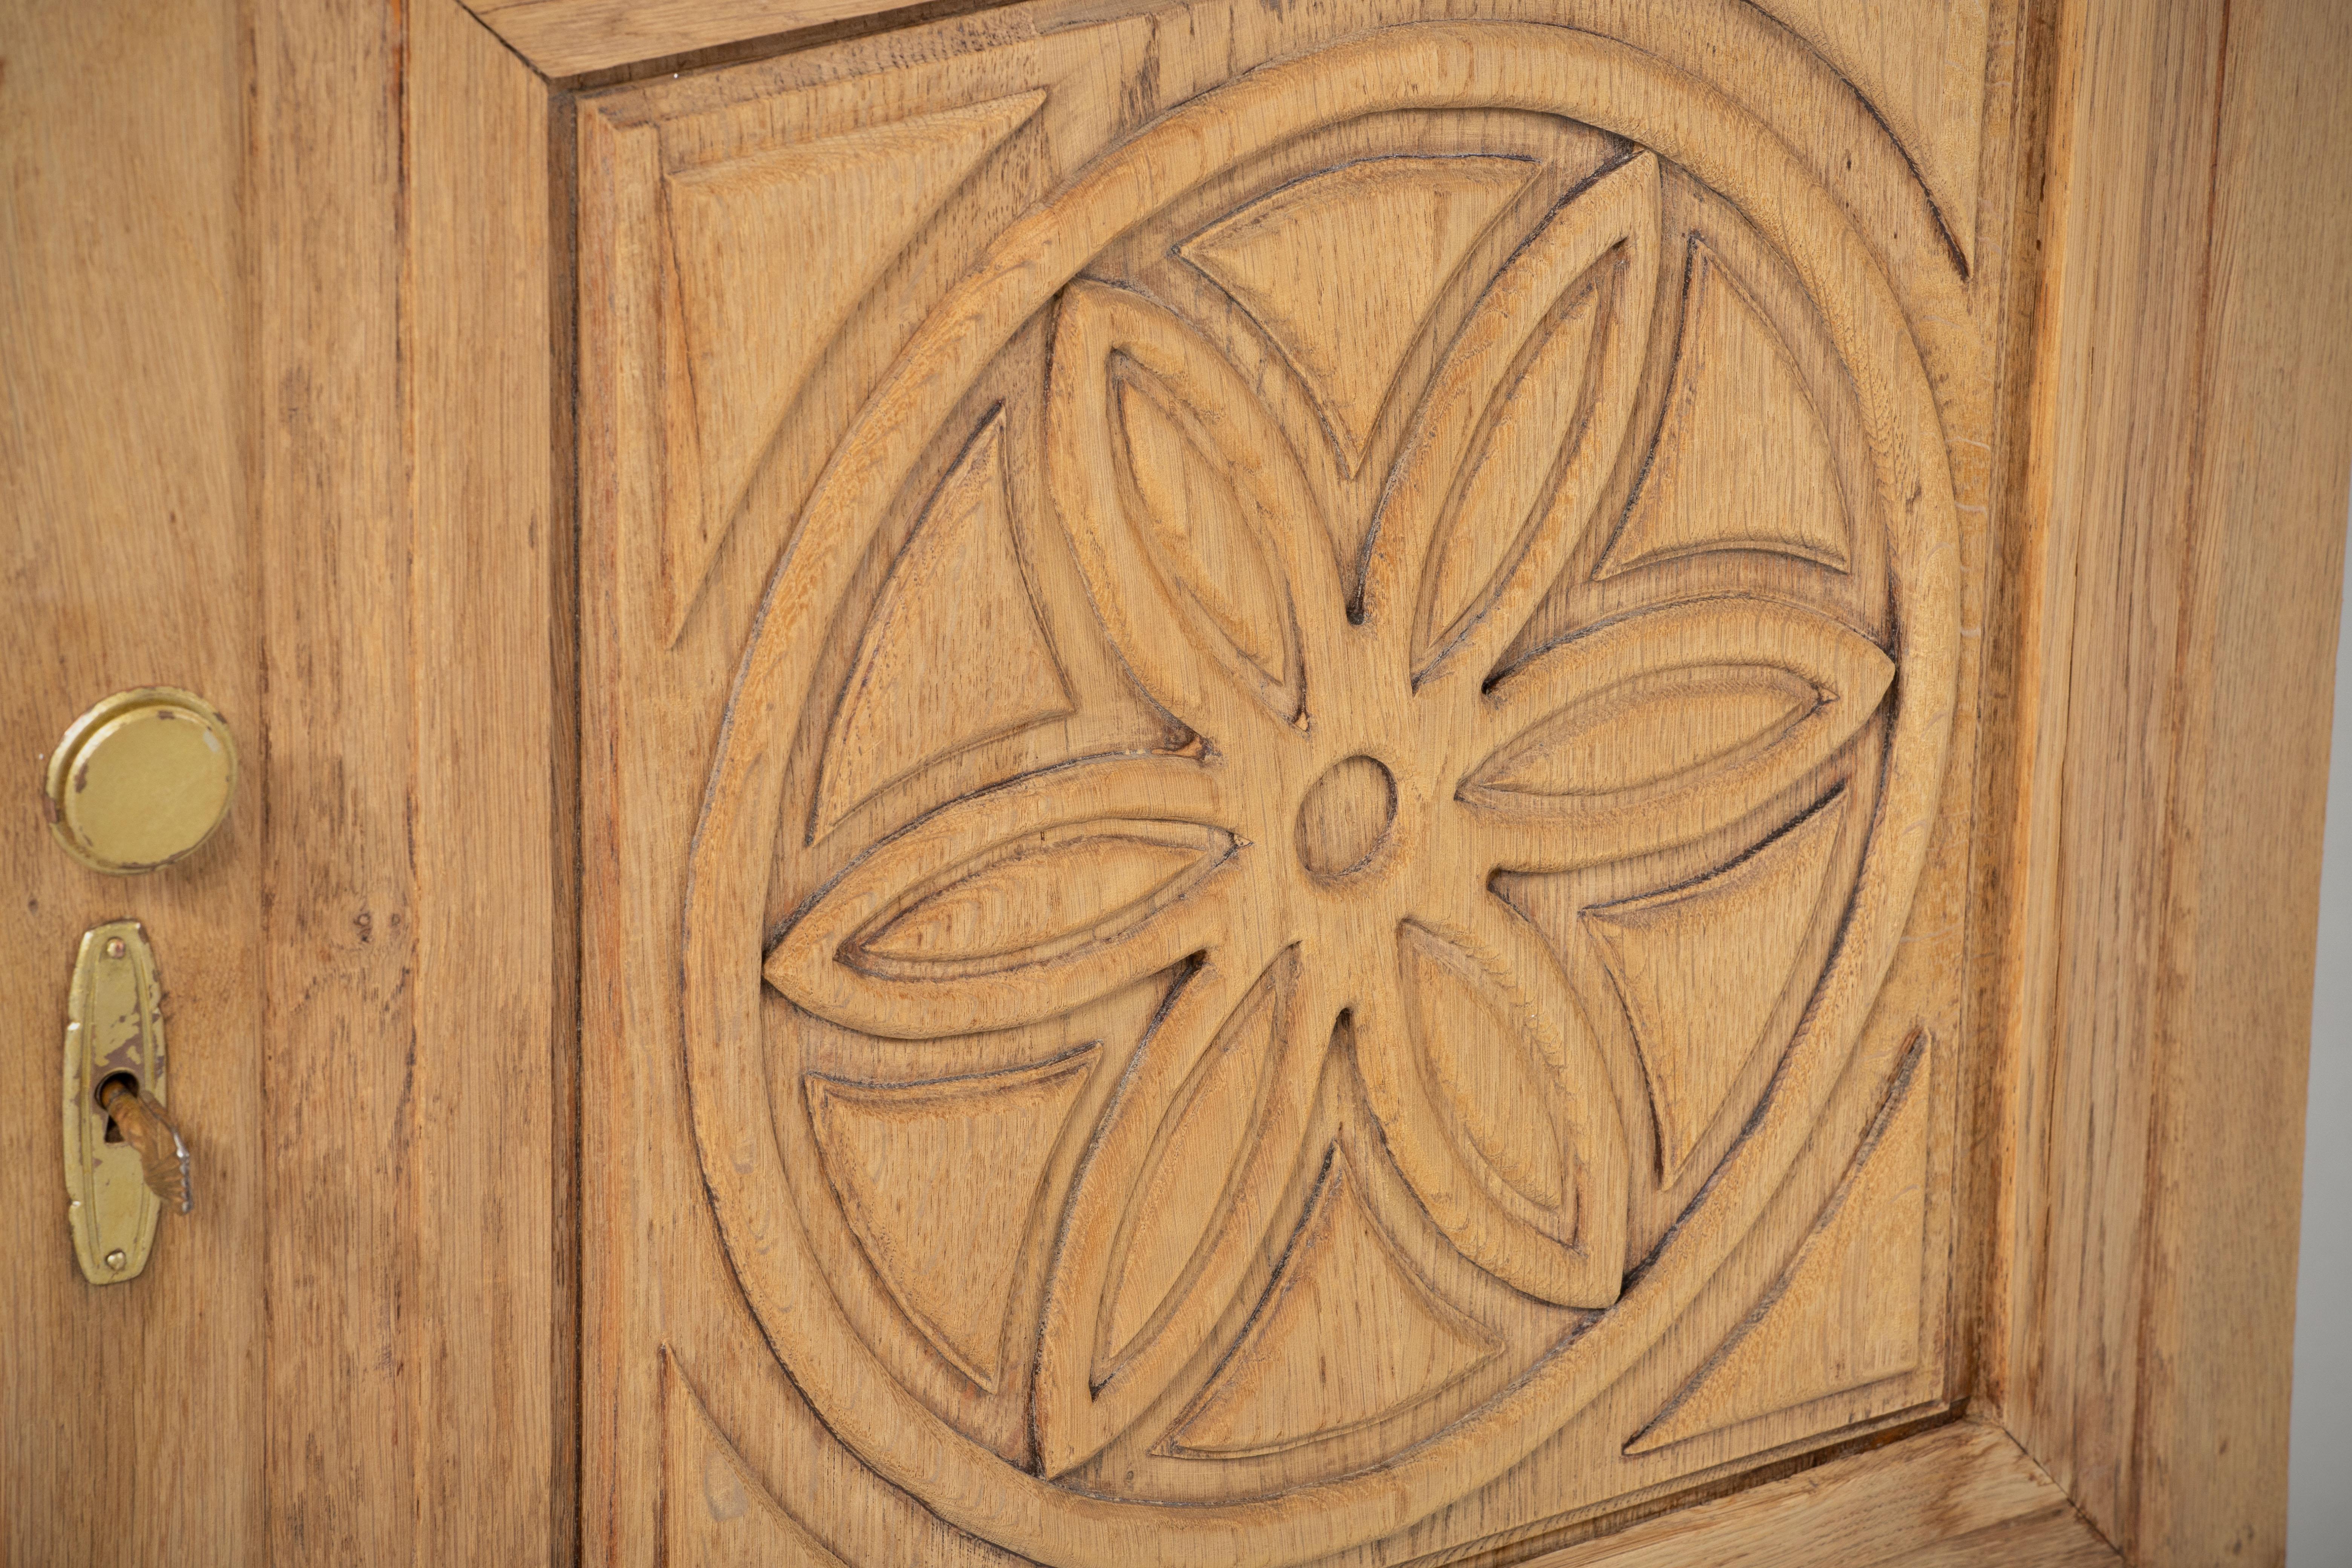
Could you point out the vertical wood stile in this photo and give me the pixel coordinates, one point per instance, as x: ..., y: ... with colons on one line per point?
x: 2187, y: 485
x: 323, y: 200
x: 125, y: 559
x: 490, y: 1091
x: 418, y: 948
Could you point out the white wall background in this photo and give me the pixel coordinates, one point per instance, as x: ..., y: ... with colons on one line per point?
x: 2319, y: 1474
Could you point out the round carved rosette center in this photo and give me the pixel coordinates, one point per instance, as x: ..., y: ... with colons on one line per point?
x: 1346, y: 817
x: 1101, y: 1097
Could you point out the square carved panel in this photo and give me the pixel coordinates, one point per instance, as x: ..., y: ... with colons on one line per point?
x: 1292, y: 701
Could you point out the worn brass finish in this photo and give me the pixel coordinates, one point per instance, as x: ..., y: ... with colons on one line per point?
x: 162, y: 1153
x: 114, y: 1030
x: 141, y: 780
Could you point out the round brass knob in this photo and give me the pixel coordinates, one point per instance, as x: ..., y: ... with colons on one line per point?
x: 141, y: 780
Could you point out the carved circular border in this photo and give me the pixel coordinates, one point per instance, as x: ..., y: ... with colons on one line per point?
x: 1418, y: 66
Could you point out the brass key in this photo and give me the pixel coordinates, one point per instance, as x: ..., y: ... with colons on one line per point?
x: 162, y: 1149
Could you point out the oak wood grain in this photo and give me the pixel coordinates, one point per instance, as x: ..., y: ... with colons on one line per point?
x: 2189, y: 452
x: 133, y: 1415
x: 493, y: 823
x: 1233, y: 487
x: 417, y: 962
x: 594, y: 39
x: 2274, y: 454
x: 332, y: 525
x: 1918, y: 65
x: 1963, y: 1493
x: 1172, y: 1167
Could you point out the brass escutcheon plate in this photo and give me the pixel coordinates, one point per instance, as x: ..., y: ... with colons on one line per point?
x: 114, y: 1024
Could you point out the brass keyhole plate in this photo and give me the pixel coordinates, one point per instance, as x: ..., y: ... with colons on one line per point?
x: 114, y: 1024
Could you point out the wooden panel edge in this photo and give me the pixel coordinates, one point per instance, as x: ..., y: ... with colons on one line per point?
x: 596, y: 42
x: 493, y: 816
x: 417, y: 915
x: 1989, y: 1068
x: 2266, y: 563
x: 564, y: 1499
x: 2185, y: 500
x: 607, y: 1376
x: 1951, y: 1487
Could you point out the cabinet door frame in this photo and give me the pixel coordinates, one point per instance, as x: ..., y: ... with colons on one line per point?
x: 2168, y: 538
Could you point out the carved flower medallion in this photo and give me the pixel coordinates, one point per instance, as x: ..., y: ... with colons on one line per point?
x: 1320, y: 545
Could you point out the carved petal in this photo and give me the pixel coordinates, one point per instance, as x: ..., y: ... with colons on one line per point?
x: 1015, y: 904
x: 1496, y: 1104
x: 1174, y: 1203
x: 1201, y: 546
x: 1342, y: 268
x: 1520, y: 431
x: 1663, y: 727
x: 1348, y: 1323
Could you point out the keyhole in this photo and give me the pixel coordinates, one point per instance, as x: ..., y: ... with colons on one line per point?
x: 128, y: 1082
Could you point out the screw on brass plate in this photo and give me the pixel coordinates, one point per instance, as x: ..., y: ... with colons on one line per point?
x: 116, y: 1259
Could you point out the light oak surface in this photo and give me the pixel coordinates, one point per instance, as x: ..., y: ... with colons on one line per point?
x: 131, y: 1416
x: 2187, y: 502
x: 415, y: 970
x: 253, y: 449
x: 1100, y: 781
x: 1273, y: 838
x: 1962, y: 1494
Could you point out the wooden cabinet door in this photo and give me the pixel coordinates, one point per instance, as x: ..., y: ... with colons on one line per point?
x: 1192, y: 783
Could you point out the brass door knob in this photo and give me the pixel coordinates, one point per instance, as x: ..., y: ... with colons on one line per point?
x: 141, y: 780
